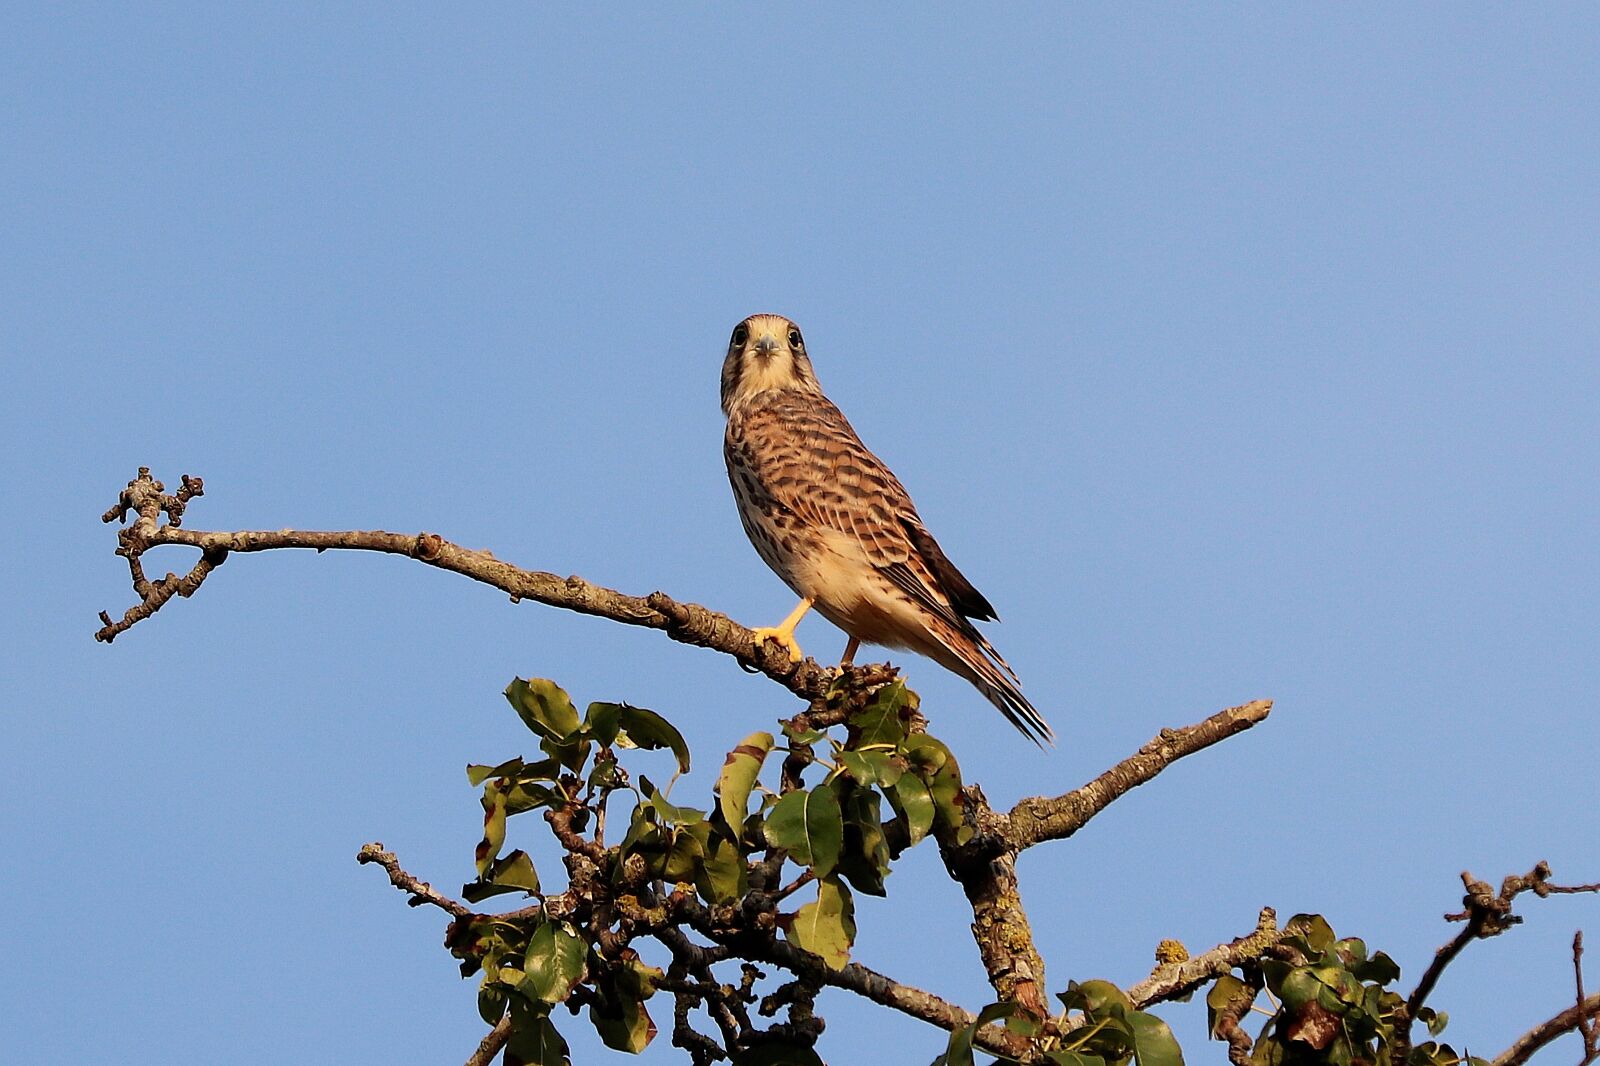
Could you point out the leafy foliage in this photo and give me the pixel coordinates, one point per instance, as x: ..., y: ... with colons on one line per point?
x: 833, y: 830
x: 1334, y: 1007
x: 680, y: 865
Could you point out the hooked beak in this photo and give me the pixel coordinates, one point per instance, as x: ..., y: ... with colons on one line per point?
x: 767, y: 346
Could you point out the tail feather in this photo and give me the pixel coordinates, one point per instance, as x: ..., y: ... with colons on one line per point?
x: 969, y: 657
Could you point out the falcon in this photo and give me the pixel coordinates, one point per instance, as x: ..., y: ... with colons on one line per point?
x: 839, y: 528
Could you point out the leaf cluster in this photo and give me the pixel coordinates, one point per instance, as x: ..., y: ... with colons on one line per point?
x: 1098, y: 1026
x: 885, y: 788
x: 718, y: 870
x: 1333, y: 1004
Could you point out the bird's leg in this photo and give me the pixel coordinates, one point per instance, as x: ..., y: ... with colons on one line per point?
x: 783, y: 632
x: 850, y: 649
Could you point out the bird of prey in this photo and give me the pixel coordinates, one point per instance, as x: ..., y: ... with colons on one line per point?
x: 838, y: 527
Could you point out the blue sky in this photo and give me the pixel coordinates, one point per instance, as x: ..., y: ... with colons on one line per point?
x: 1232, y: 351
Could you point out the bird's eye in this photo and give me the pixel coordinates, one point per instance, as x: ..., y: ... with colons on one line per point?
x: 794, y: 339
x: 741, y: 333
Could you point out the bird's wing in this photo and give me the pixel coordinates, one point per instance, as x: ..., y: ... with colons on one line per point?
x: 815, y: 466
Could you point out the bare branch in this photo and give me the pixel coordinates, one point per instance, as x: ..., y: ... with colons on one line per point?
x: 1574, y: 1017
x: 1591, y: 1028
x: 1033, y: 821
x: 761, y: 945
x: 1487, y: 914
x: 685, y: 622
x: 420, y: 891
x: 885, y: 991
x: 985, y: 866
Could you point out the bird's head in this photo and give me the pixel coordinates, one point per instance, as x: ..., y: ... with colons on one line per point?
x: 765, y: 352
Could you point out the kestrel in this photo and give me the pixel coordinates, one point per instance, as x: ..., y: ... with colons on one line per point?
x: 839, y: 528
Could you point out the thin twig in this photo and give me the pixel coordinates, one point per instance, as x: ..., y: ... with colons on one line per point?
x: 420, y: 891
x: 491, y: 1044
x: 794, y: 886
x: 1487, y: 914
x: 1591, y: 1028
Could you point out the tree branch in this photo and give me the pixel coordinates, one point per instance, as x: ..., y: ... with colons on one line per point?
x: 1033, y: 821
x: 1574, y: 1017
x: 420, y: 891
x: 1591, y: 1029
x: 762, y: 946
x: 1000, y: 924
x: 492, y: 1042
x: 983, y: 861
x: 687, y: 623
x: 1486, y: 914
x: 1175, y: 980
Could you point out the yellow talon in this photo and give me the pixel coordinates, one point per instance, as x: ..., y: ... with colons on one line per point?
x: 778, y: 635
x: 783, y: 632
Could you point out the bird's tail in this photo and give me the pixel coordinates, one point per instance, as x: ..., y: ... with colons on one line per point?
x: 971, y: 656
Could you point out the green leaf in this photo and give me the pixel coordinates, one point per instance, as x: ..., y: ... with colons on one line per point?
x: 826, y: 927
x: 639, y: 979
x: 543, y: 770
x: 606, y: 774
x: 882, y: 719
x: 650, y: 731
x: 1269, y: 1050
x: 602, y: 721
x: 939, y: 770
x: 685, y: 857
x: 669, y: 813
x: 1351, y: 951
x: 864, y: 859
x: 1299, y: 988
x: 808, y: 825
x: 801, y: 737
x: 1227, y: 988
x: 1275, y: 972
x: 643, y: 833
x: 958, y: 1052
x: 554, y: 962
x: 887, y: 767
x: 1314, y: 929
x: 1073, y: 1058
x: 723, y: 876
x: 1435, y: 1020
x: 1153, y: 1042
x: 855, y: 765
x: 739, y: 772
x: 534, y: 1039
x: 1094, y: 998
x: 1380, y: 969
x: 527, y: 795
x: 625, y: 1026
x: 512, y: 873
x: 913, y: 803
x: 492, y: 999
x: 494, y: 827
x: 570, y: 753
x: 543, y: 707
x: 477, y: 773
